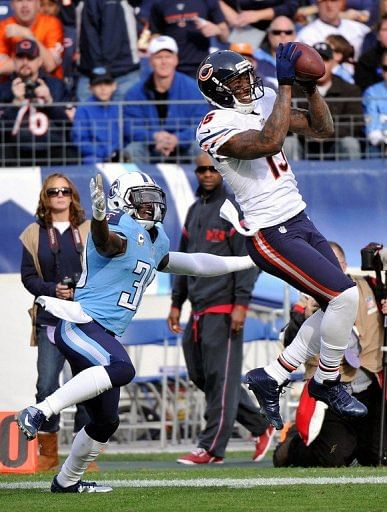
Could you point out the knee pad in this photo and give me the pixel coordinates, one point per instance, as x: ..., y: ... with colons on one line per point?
x: 120, y: 372
x: 102, y: 432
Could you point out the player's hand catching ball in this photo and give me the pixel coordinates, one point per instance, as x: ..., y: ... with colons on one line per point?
x: 286, y: 58
x: 98, y: 199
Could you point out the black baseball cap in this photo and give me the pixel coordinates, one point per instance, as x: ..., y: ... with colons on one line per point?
x: 324, y: 49
x: 28, y: 48
x: 101, y: 76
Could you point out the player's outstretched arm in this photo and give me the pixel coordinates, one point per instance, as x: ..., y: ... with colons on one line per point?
x: 107, y: 243
x: 203, y: 264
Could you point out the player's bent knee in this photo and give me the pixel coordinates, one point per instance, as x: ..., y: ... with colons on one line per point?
x: 121, y: 372
x: 349, y: 297
x: 103, y: 431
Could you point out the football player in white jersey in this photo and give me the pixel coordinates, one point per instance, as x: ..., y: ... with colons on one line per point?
x: 244, y: 136
x: 126, y: 248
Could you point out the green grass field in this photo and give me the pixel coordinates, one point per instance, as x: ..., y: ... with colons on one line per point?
x: 155, y: 483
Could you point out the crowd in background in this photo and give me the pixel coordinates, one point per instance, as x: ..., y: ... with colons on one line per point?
x: 99, y: 53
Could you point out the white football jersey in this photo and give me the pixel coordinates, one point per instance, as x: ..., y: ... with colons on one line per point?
x: 265, y: 188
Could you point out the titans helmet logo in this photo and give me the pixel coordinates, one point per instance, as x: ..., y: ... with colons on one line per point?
x: 114, y: 189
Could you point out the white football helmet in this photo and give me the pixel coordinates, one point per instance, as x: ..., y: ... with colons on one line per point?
x: 133, y: 190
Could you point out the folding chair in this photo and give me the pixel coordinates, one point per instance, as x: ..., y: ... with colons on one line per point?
x: 156, y: 355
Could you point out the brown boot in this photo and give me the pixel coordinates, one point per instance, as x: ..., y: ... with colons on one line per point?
x: 48, y: 458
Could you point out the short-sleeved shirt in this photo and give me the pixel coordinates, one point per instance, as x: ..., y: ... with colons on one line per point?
x: 48, y: 30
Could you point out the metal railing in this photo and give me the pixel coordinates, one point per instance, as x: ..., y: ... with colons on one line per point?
x: 46, y: 137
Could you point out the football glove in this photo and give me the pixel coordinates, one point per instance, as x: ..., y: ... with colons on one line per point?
x: 98, y: 199
x: 286, y: 58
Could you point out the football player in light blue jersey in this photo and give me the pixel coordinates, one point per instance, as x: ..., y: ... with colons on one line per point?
x: 126, y: 247
x: 122, y: 280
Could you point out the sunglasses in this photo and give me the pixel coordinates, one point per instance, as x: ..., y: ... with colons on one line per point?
x: 54, y: 192
x: 279, y: 32
x: 203, y: 168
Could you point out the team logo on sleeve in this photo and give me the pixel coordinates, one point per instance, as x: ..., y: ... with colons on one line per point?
x: 205, y: 72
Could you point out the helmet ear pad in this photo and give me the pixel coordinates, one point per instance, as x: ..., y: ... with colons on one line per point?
x: 216, y: 71
x: 132, y: 190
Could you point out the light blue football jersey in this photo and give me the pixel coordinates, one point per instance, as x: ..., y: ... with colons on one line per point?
x: 110, y: 289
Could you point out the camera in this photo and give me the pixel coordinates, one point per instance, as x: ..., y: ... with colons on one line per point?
x: 374, y: 257
x: 370, y: 257
x: 71, y: 282
x: 30, y: 87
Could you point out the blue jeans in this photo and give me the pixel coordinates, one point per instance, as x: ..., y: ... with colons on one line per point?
x: 50, y: 364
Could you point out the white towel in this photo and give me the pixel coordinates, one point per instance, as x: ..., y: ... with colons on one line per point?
x: 230, y: 213
x: 65, y: 309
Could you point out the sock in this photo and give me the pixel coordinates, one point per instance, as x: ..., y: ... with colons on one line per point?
x: 305, y: 344
x: 335, y: 332
x: 83, y: 451
x: 87, y: 384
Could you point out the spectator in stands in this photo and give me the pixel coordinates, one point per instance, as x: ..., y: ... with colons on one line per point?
x: 367, y: 68
x: 375, y: 111
x: 163, y: 132
x: 213, y: 338
x: 371, y: 38
x: 192, y: 24
x: 240, y: 13
x: 281, y: 30
x: 338, y: 441
x: 343, y: 54
x: 330, y: 22
x: 108, y: 39
x: 35, y: 131
x: 28, y: 23
x: 347, y: 113
x: 364, y: 11
x: 51, y: 264
x: 65, y: 11
x: 96, y: 128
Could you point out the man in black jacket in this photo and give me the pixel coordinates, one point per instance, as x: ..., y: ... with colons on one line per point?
x: 213, y: 338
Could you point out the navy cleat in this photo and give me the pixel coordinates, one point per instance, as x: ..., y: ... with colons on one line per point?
x: 333, y: 393
x: 267, y: 392
x: 29, y: 421
x: 79, y: 487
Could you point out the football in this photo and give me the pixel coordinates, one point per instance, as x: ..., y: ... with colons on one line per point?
x: 309, y: 65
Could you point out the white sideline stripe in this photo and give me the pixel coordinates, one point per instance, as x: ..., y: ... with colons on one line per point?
x: 215, y: 482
